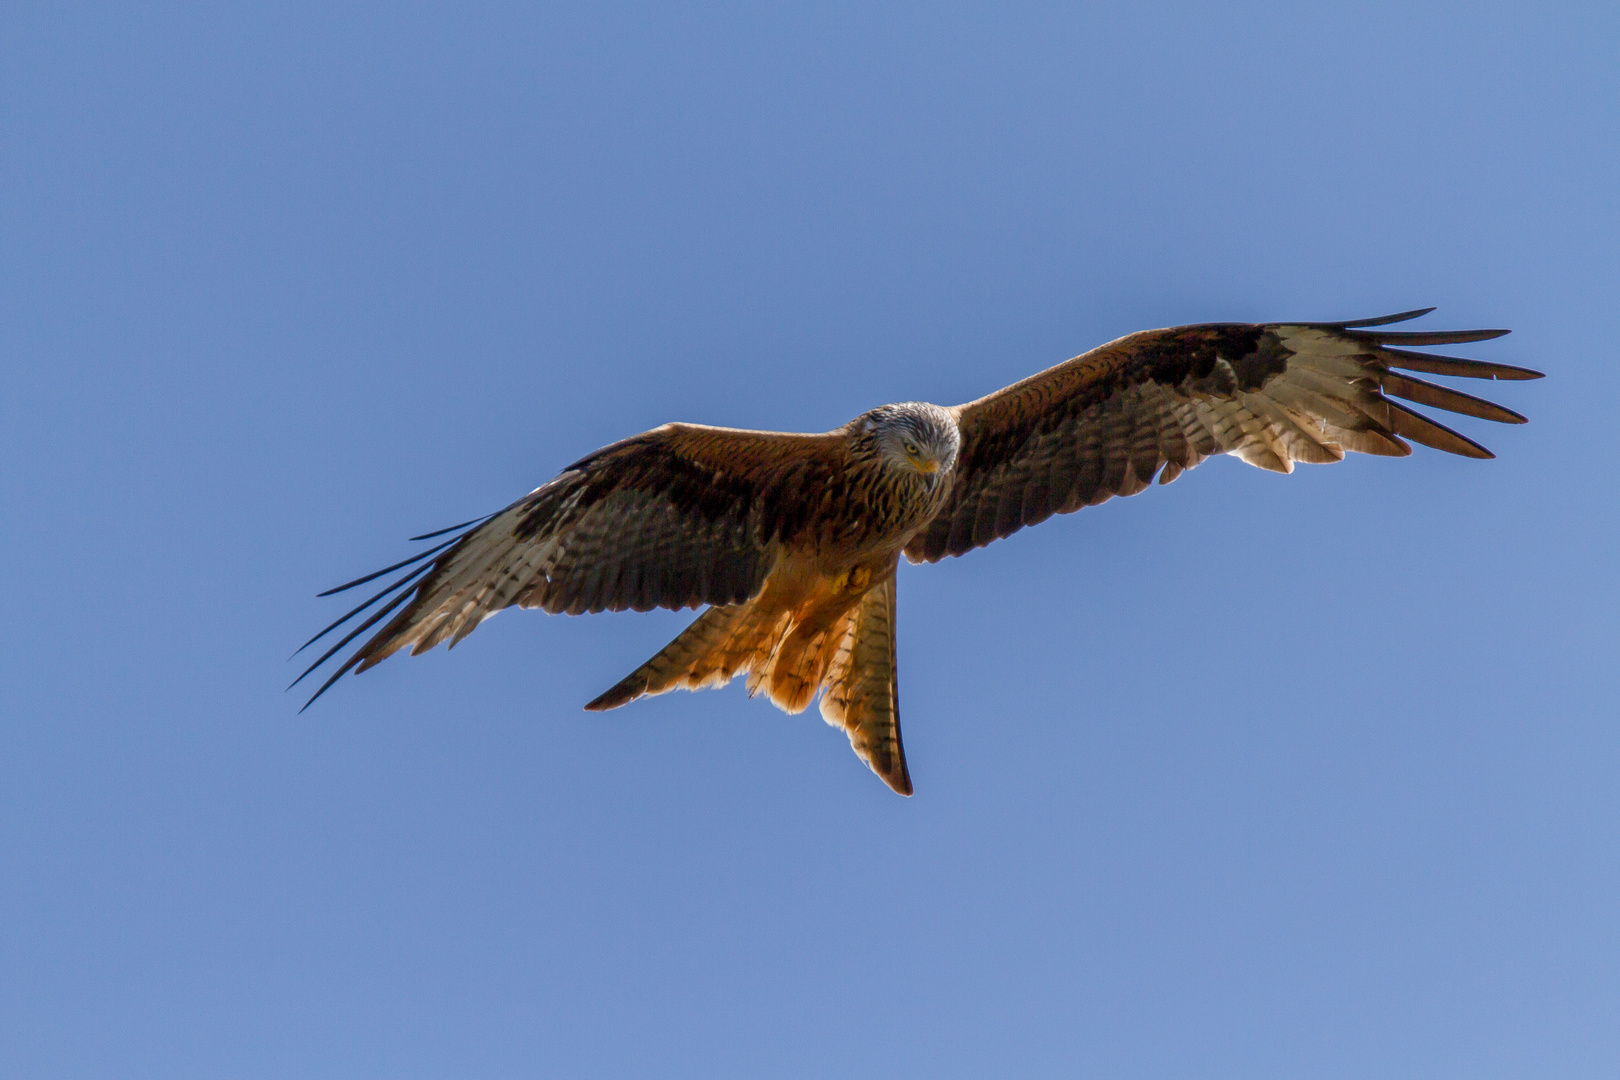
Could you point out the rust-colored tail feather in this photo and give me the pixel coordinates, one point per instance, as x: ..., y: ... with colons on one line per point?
x: 795, y: 668
x: 719, y: 643
x: 862, y: 690
x: 852, y: 660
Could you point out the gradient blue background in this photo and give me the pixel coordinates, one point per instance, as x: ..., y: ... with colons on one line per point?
x: 1251, y: 776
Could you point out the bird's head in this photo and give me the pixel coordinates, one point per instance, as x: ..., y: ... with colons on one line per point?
x: 913, y: 438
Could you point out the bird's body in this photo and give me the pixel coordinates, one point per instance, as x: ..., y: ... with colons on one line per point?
x: 793, y: 540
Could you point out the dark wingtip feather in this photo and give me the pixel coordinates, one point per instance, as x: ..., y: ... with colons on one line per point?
x: 359, y: 655
x: 1381, y: 320
x: 387, y: 569
x: 1443, y: 397
x: 453, y: 528
x: 325, y: 686
x: 1419, y: 428
x: 1435, y: 364
x: 1432, y: 337
x: 401, y: 583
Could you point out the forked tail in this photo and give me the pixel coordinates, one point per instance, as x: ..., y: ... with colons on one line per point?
x: 851, y: 658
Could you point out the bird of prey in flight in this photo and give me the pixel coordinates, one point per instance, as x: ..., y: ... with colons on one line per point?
x: 792, y: 540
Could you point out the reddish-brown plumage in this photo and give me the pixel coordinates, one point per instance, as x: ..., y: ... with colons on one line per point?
x: 793, y: 539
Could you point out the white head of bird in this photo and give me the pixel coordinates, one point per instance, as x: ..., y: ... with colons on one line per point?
x: 914, y: 438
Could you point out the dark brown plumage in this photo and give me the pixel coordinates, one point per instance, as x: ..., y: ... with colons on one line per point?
x: 793, y: 540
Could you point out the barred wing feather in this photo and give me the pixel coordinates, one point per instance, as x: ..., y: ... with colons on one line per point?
x: 1159, y: 402
x: 680, y: 516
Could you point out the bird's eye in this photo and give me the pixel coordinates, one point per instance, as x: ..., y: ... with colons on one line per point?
x: 911, y: 448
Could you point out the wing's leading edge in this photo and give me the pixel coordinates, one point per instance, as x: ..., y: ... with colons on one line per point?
x: 680, y: 516
x: 1157, y: 403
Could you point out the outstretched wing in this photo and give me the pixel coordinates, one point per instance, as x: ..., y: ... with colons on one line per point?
x: 1161, y: 401
x: 680, y: 516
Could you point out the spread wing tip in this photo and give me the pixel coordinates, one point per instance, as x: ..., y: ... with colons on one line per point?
x: 1360, y: 329
x: 1436, y: 364
x: 1427, y: 337
x: 395, y: 594
x: 1377, y: 320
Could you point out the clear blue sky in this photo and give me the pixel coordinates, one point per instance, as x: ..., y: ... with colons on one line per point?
x: 1251, y: 776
